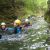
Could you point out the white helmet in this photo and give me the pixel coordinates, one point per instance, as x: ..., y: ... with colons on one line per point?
x: 26, y: 20
x: 3, y: 23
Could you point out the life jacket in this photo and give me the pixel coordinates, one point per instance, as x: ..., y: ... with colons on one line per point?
x: 17, y: 29
x: 5, y: 29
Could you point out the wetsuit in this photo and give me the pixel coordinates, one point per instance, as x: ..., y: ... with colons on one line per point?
x: 1, y: 29
x: 17, y: 30
x: 5, y: 29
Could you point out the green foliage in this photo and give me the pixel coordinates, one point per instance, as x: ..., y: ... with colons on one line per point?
x: 11, y: 8
x: 47, y: 16
x: 36, y: 6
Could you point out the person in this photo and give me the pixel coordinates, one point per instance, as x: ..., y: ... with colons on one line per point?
x: 17, y: 26
x: 26, y: 23
x: 3, y: 26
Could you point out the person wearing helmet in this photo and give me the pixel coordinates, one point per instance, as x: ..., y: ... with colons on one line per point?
x: 3, y: 26
x: 17, y: 26
x: 26, y: 23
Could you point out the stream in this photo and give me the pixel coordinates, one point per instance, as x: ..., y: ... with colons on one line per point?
x: 33, y: 39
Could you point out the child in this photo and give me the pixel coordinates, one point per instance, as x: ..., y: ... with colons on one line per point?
x: 17, y: 26
x: 26, y: 23
x: 3, y: 26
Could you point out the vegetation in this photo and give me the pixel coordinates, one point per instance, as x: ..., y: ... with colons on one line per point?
x: 12, y: 8
x: 47, y: 14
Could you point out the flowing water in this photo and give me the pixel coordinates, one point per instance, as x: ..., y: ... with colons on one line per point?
x: 33, y: 39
